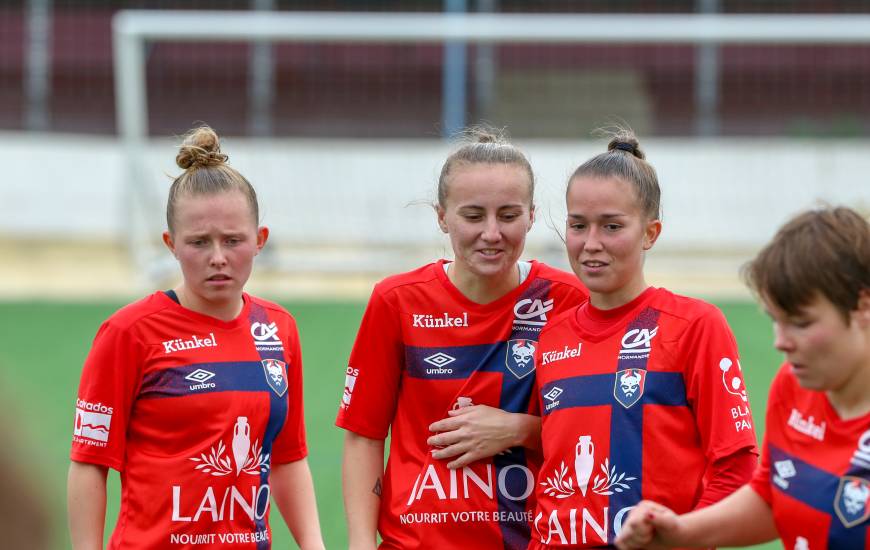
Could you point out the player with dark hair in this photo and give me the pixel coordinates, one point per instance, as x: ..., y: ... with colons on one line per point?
x: 454, y: 336
x: 641, y: 389
x: 195, y: 394
x: 813, y: 484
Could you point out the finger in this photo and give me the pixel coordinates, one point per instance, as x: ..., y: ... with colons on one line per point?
x: 445, y: 425
x: 444, y: 439
x: 449, y: 451
x: 462, y: 410
x: 464, y: 460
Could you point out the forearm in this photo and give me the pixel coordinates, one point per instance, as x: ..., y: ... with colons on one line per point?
x: 86, y: 505
x: 293, y: 492
x: 741, y: 519
x: 362, y: 478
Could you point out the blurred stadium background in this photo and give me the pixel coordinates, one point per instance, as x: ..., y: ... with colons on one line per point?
x: 344, y: 143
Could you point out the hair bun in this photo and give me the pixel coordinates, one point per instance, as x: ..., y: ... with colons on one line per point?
x: 201, y: 148
x: 626, y: 141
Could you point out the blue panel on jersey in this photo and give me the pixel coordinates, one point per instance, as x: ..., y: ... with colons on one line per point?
x: 204, y: 378
x: 454, y: 362
x: 661, y: 388
x: 818, y: 489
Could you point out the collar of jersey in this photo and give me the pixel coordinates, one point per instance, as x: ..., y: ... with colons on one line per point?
x: 599, y: 324
x: 496, y: 304
x: 240, y: 319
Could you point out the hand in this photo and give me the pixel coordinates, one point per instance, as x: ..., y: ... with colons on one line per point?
x: 650, y: 526
x: 474, y: 432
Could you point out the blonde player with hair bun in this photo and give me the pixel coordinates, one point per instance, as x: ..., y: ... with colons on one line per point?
x: 195, y: 394
x: 449, y: 347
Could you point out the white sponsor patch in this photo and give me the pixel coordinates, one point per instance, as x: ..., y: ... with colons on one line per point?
x: 92, y: 425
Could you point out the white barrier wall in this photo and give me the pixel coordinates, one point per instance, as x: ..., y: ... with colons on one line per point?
x: 717, y: 194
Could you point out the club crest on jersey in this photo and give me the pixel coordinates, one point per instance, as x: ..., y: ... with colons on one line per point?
x: 520, y: 357
x: 851, y: 500
x: 628, y: 386
x: 276, y: 375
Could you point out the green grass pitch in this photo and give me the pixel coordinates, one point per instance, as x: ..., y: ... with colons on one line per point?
x: 43, y: 344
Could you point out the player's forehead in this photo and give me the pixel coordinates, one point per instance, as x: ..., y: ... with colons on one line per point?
x: 486, y: 185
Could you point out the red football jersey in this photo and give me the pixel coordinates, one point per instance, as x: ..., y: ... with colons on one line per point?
x: 193, y: 412
x: 422, y: 349
x: 814, y: 469
x: 637, y: 401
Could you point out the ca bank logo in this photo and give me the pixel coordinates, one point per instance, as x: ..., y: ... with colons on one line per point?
x: 276, y: 375
x: 266, y: 336
x: 628, y: 386
x: 636, y: 343
x: 520, y: 357
x: 851, y: 500
x: 531, y: 312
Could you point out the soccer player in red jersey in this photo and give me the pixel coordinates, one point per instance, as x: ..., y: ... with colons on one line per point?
x: 640, y: 389
x: 195, y: 394
x: 449, y: 336
x: 813, y: 484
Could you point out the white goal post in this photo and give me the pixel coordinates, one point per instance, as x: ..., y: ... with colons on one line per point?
x: 132, y: 30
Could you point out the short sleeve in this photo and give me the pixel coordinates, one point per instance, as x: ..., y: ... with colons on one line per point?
x: 371, y: 388
x: 107, y: 390
x: 760, y: 481
x: 715, y: 387
x: 290, y: 444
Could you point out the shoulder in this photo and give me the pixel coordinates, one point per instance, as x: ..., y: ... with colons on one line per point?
x: 559, y: 277
x: 274, y: 309
x: 132, y: 313
x: 559, y: 321
x: 691, y: 310
x: 422, y: 275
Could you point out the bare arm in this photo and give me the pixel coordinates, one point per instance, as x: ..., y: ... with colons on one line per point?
x: 741, y: 519
x: 86, y: 505
x: 362, y: 476
x: 293, y: 492
x: 479, y: 431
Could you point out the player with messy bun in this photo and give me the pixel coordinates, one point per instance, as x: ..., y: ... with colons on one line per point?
x: 444, y: 362
x: 641, y: 389
x: 195, y: 394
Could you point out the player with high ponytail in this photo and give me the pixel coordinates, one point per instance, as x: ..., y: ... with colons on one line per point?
x: 195, y: 394
x: 812, y: 488
x: 449, y: 347
x: 640, y: 389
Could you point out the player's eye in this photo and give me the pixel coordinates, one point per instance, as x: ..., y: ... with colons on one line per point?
x: 612, y: 227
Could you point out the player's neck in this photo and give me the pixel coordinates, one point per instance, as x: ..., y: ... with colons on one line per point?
x: 225, y: 310
x: 851, y: 399
x: 619, y: 297
x: 483, y: 290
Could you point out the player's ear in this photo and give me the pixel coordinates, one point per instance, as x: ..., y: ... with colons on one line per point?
x: 170, y: 244
x: 862, y: 312
x: 651, y: 233
x: 262, y: 237
x: 442, y: 221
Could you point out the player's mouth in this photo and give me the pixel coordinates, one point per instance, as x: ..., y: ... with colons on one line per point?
x: 594, y: 266
x: 490, y: 252
x: 219, y: 279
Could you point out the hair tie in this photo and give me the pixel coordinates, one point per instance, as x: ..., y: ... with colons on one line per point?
x: 622, y: 146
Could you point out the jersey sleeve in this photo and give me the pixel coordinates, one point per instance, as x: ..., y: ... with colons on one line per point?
x: 373, y: 373
x: 714, y: 386
x: 760, y: 482
x: 109, y: 383
x: 290, y: 444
